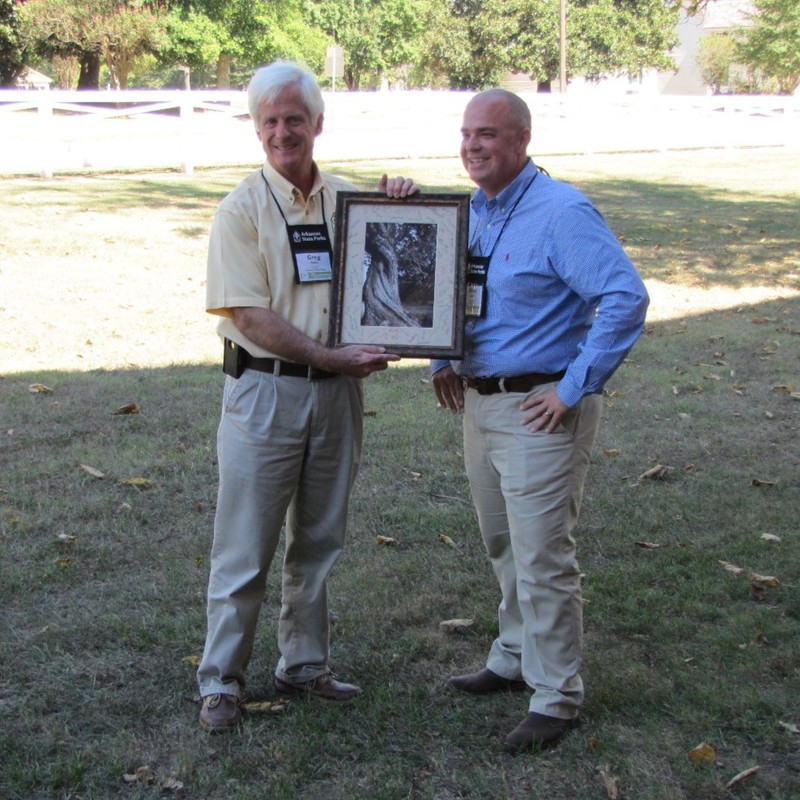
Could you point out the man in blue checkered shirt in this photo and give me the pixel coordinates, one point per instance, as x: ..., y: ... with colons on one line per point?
x: 553, y: 307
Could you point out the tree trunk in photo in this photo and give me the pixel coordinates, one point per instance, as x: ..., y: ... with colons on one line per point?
x: 224, y: 71
x: 382, y: 304
x: 89, y: 77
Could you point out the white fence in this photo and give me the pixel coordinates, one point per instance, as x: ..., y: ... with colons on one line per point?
x: 49, y: 132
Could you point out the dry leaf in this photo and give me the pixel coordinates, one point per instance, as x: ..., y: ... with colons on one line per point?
x: 789, y: 726
x: 453, y: 625
x: 647, y: 545
x: 267, y: 707
x: 612, y: 453
x: 744, y: 775
x: 658, y: 471
x: 139, y: 483
x: 417, y: 476
x: 130, y: 408
x: 171, y: 784
x: 770, y: 537
x: 142, y: 774
x: 63, y: 563
x: 95, y: 473
x: 704, y: 753
x: 444, y: 539
x: 594, y: 743
x: 759, y: 482
x: 387, y: 540
x: 67, y: 538
x: 39, y: 388
x: 193, y: 660
x: 782, y: 388
x: 690, y: 468
x: 370, y: 413
x: 732, y: 567
x: 610, y: 784
x: 769, y: 581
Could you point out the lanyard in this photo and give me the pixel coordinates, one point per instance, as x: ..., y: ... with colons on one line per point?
x: 280, y: 210
x: 505, y: 222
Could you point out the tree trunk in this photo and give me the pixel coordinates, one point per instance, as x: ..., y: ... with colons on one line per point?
x: 89, y: 77
x: 382, y: 304
x: 224, y: 71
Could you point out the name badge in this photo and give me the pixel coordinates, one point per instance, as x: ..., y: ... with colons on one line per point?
x: 311, y: 253
x: 476, y: 292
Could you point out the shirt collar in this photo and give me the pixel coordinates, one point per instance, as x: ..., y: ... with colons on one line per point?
x: 286, y: 189
x: 506, y: 197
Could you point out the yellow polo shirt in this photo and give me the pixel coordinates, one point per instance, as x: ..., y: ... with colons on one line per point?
x: 249, y: 259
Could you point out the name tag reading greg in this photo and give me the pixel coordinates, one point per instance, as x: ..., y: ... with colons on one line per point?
x: 311, y: 252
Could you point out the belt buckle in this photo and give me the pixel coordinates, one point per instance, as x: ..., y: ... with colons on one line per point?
x: 501, y: 385
x: 276, y: 367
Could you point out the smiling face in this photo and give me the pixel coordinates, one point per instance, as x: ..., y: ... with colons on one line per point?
x: 494, y: 141
x: 287, y: 132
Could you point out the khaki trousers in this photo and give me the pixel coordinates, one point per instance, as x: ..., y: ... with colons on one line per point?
x: 288, y: 449
x: 527, y: 490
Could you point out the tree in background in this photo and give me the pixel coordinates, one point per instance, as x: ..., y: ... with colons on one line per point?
x: 91, y: 31
x: 772, y: 45
x: 378, y: 36
x: 715, y: 57
x: 12, y: 52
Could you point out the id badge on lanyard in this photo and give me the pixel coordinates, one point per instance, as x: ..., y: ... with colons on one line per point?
x: 477, y: 273
x: 311, y: 253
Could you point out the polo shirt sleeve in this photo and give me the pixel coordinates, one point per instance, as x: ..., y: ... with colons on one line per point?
x: 237, y: 272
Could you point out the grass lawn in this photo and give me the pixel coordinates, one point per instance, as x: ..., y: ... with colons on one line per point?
x: 689, y: 539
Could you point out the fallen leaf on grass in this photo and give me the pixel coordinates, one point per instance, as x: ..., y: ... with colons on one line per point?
x: 759, y: 482
x: 732, y: 567
x: 789, y: 726
x: 193, y: 660
x: 613, y: 453
x: 95, y: 473
x: 610, y: 784
x: 770, y: 537
x: 63, y: 563
x: 129, y: 408
x: 67, y: 538
x: 445, y: 539
x: 782, y: 388
x: 171, y: 784
x: 142, y: 774
x: 757, y: 641
x: 387, y: 540
x: 267, y: 707
x: 704, y: 753
x: 647, y: 545
x: 744, y: 775
x: 655, y: 473
x: 139, y: 483
x: 39, y: 388
x: 455, y: 625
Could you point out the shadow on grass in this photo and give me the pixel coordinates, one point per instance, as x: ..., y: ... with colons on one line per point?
x: 103, y: 588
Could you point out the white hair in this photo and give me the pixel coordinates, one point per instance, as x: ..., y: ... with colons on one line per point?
x: 268, y: 82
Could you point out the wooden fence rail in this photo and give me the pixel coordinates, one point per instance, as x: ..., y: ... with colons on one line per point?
x: 49, y: 132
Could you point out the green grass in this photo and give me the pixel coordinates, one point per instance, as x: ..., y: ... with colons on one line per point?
x: 98, y: 631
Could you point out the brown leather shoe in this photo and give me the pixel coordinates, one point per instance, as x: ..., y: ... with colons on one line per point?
x: 537, y: 730
x: 486, y: 682
x: 324, y: 686
x: 220, y: 712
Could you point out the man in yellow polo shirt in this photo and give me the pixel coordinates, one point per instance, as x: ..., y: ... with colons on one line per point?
x: 289, y: 439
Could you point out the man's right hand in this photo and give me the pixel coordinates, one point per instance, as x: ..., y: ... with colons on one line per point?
x: 449, y: 389
x: 359, y: 360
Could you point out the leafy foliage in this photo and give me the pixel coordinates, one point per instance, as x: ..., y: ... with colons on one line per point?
x: 772, y: 45
x: 11, y: 50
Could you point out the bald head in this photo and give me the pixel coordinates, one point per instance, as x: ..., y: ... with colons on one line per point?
x: 494, y: 139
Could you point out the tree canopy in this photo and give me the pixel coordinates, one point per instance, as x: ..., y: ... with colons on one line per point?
x: 468, y: 44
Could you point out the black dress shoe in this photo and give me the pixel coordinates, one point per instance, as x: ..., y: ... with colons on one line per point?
x: 537, y: 730
x: 486, y: 682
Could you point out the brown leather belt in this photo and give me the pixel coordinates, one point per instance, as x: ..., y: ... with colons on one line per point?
x: 517, y: 383
x: 284, y: 368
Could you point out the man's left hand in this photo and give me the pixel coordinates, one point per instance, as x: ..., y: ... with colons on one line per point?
x: 398, y: 187
x: 543, y: 412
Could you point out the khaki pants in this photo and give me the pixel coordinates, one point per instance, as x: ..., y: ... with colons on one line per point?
x: 288, y: 449
x: 527, y: 490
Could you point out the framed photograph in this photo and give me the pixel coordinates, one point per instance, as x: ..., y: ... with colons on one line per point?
x: 399, y: 273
